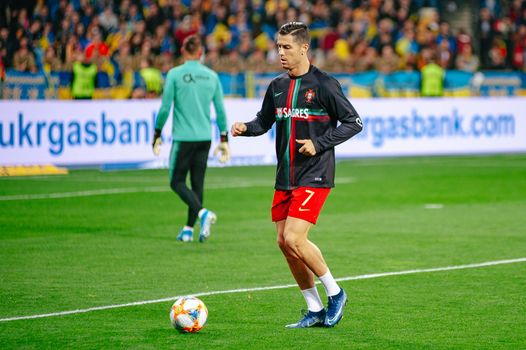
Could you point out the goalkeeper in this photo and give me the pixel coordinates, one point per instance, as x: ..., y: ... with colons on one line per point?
x: 191, y: 88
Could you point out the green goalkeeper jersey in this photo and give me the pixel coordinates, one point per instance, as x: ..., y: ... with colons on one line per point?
x: 192, y: 87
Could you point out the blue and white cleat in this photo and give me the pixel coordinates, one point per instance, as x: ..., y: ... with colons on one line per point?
x: 335, y: 308
x: 310, y: 319
x: 207, y: 220
x: 185, y: 236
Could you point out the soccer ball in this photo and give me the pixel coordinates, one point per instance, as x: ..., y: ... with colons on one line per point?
x: 188, y: 314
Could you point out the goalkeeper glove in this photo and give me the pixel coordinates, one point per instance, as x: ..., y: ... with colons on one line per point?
x: 157, y: 142
x: 223, y: 148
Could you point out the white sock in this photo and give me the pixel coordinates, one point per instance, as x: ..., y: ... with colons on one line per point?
x: 312, y: 298
x: 188, y: 228
x: 201, y: 212
x: 331, y: 287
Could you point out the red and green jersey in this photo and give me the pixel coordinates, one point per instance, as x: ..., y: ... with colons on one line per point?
x: 306, y: 107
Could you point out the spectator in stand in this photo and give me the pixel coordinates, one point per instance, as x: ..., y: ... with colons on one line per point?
x: 124, y: 61
x: 445, y: 35
x: 256, y: 62
x: 151, y: 78
x: 87, y: 13
x: 485, y: 35
x: 245, y: 47
x: 368, y: 61
x: 385, y: 34
x: 144, y: 54
x: 24, y: 60
x: 97, y: 47
x: 134, y: 15
x: 330, y: 37
x: 432, y: 75
x: 407, y: 46
x: 334, y: 64
x: 70, y: 52
x: 233, y: 63
x: 48, y: 36
x: 466, y: 60
x: 51, y: 62
x: 388, y: 62
x: 154, y: 18
x: 162, y: 43
x: 4, y: 38
x: 444, y: 54
x: 108, y: 20
x: 519, y: 48
x: 463, y: 39
x: 493, y: 6
x: 84, y: 77
x: 184, y: 30
x: 3, y: 54
x: 498, y: 53
x: 388, y: 10
x: 80, y: 32
x: 515, y: 10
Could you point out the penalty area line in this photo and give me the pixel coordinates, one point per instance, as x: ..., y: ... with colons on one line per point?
x: 256, y: 289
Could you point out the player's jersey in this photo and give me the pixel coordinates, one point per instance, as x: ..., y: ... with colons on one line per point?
x: 192, y: 87
x: 306, y: 107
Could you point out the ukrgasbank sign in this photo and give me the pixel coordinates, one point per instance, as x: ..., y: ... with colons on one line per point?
x: 117, y: 132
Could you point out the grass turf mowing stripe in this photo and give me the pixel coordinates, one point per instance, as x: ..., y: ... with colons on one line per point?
x: 242, y: 290
x: 123, y: 190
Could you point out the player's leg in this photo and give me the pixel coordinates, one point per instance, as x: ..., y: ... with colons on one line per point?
x: 197, y: 179
x: 297, y: 246
x: 304, y: 210
x: 180, y: 158
x: 303, y: 276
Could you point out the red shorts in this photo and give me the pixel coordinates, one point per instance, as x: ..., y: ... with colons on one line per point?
x: 303, y: 203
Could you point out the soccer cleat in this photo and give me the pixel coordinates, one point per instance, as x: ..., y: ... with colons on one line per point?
x: 208, y: 219
x: 310, y: 319
x: 335, y: 308
x: 185, y: 236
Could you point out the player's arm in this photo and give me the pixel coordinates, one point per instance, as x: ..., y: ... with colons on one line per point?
x: 263, y: 121
x: 339, y: 107
x: 164, y: 111
x: 221, y: 123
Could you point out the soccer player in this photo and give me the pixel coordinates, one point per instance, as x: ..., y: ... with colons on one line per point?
x: 306, y: 104
x: 191, y: 88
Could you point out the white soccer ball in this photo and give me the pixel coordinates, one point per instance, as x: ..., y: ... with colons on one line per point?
x: 188, y: 314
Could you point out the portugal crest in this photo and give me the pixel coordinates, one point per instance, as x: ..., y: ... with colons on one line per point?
x: 309, y: 95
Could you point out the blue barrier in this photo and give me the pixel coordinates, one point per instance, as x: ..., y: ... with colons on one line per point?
x: 457, y: 79
x: 24, y: 86
x: 500, y: 83
x: 20, y: 85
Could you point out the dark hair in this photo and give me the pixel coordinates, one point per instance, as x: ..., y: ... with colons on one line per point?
x: 298, y: 30
x: 192, y: 44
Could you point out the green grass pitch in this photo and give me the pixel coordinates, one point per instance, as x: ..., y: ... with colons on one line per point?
x: 85, y: 250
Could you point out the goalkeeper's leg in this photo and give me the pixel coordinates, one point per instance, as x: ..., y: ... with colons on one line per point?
x: 180, y: 162
x: 197, y: 177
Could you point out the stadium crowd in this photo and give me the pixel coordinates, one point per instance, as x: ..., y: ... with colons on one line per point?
x: 123, y: 36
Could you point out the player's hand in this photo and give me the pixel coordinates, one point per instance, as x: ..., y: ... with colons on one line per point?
x: 307, y: 147
x: 157, y: 142
x: 224, y: 150
x: 238, y: 129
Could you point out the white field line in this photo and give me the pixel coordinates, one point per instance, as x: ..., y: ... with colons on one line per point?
x: 108, y: 191
x: 255, y: 289
x: 166, y: 188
